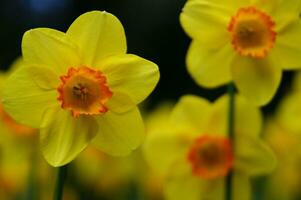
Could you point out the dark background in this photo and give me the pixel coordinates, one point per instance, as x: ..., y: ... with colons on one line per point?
x: 152, y: 28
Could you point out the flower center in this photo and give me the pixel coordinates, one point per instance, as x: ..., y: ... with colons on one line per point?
x: 252, y: 32
x: 84, y: 91
x: 210, y: 157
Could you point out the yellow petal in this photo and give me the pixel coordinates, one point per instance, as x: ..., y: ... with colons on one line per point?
x: 24, y: 99
x: 248, y: 119
x: 285, y: 12
x: 191, y: 112
x: 288, y: 46
x: 51, y: 48
x: 131, y: 79
x: 252, y: 156
x: 257, y: 79
x: 162, y: 149
x: 289, y: 112
x: 181, y: 184
x: 241, y: 186
x: 119, y: 134
x: 297, y: 81
x: 206, y: 21
x: 205, y: 67
x: 63, y: 137
x: 98, y: 34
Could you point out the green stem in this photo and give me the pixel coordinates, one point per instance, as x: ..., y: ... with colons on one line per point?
x: 31, y: 190
x: 61, y: 177
x: 231, y: 111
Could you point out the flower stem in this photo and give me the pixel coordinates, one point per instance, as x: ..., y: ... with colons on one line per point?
x: 61, y: 177
x: 231, y: 112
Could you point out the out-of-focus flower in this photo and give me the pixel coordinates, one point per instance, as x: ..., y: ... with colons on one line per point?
x: 289, y: 111
x: 285, y: 182
x: 283, y: 133
x: 249, y: 42
x: 16, y: 143
x: 195, y: 155
x: 81, y: 86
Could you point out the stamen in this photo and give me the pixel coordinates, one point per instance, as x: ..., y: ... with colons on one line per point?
x: 84, y: 91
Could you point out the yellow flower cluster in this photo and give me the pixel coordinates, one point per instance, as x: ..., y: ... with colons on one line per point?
x: 81, y: 87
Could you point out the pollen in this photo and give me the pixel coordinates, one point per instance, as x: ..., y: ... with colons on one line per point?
x: 252, y: 32
x: 211, y: 157
x: 84, y: 91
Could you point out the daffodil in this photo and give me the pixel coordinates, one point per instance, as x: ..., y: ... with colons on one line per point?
x: 195, y: 154
x: 14, y: 162
x: 248, y: 42
x: 80, y: 87
x: 284, y: 182
x: 288, y: 114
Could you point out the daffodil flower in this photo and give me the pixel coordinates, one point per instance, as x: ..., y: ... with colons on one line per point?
x: 195, y: 154
x: 81, y: 86
x: 284, y: 182
x: 249, y: 42
x: 288, y: 114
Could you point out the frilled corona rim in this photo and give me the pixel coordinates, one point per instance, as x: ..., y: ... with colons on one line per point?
x: 210, y: 157
x: 84, y: 91
x: 252, y: 32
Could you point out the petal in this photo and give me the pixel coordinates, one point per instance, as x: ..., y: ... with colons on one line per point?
x: 206, y: 21
x: 253, y: 157
x: 51, y: 48
x: 98, y: 34
x: 63, y: 137
x: 204, y: 65
x: 285, y: 12
x: 241, y: 187
x: 297, y: 81
x: 131, y: 79
x: 191, y: 112
x: 289, y: 112
x: 24, y: 99
x: 288, y: 46
x: 162, y: 149
x: 248, y: 119
x: 119, y: 134
x: 181, y: 184
x: 257, y: 79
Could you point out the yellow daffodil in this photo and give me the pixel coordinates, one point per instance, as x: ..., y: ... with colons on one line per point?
x: 249, y: 42
x: 195, y: 154
x: 285, y: 182
x: 81, y: 86
x: 289, y: 111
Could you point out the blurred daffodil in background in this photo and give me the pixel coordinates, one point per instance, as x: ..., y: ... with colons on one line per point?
x: 285, y: 182
x: 17, y: 143
x: 248, y: 42
x: 80, y: 87
x: 194, y: 155
x: 283, y: 133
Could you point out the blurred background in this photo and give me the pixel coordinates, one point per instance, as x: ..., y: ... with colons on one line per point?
x: 153, y: 32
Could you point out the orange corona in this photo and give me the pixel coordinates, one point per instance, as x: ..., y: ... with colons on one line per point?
x: 84, y: 91
x: 253, y: 32
x: 211, y: 157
